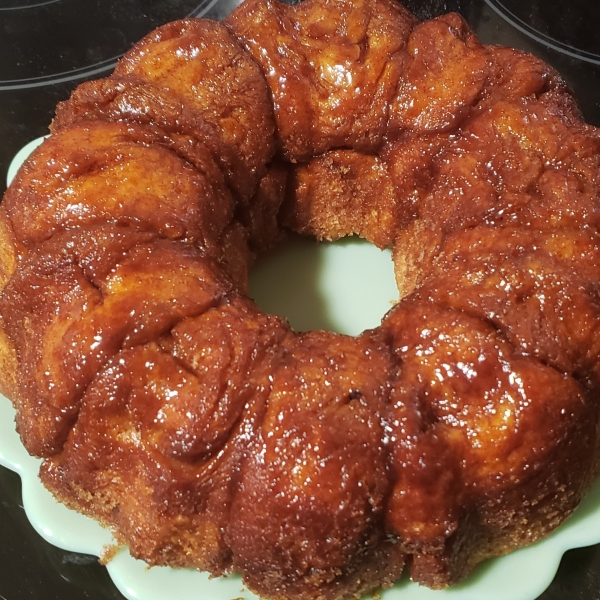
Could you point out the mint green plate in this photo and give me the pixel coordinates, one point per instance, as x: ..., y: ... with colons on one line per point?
x: 346, y: 287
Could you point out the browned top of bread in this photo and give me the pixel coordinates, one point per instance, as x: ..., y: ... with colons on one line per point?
x: 208, y: 434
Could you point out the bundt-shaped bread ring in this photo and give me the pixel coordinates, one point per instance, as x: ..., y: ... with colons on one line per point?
x: 208, y: 434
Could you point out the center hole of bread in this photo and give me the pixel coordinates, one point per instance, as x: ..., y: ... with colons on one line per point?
x: 344, y: 287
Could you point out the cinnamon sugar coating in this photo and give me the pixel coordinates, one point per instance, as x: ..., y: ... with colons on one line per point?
x: 208, y: 434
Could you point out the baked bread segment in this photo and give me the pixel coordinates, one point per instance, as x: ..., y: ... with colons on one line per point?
x: 194, y: 81
x: 164, y: 430
x: 95, y: 172
x: 332, y: 68
x: 492, y: 448
x: 445, y: 74
x: 537, y: 287
x: 307, y: 521
x: 74, y: 303
x: 345, y: 192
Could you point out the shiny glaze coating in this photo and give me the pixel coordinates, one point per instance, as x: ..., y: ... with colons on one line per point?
x: 208, y: 434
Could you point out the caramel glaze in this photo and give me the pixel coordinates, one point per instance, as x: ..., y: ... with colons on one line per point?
x: 207, y: 434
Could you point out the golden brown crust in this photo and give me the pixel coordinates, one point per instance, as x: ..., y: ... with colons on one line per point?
x: 173, y: 422
x: 444, y: 76
x: 97, y: 172
x: 9, y: 367
x: 207, y: 434
x: 81, y: 297
x: 342, y: 193
x: 193, y: 80
x: 332, y: 68
x: 532, y: 285
x: 493, y: 448
x: 310, y: 503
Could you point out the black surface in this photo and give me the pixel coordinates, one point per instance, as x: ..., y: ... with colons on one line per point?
x: 48, y: 47
x: 570, y: 27
x: 30, y: 568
